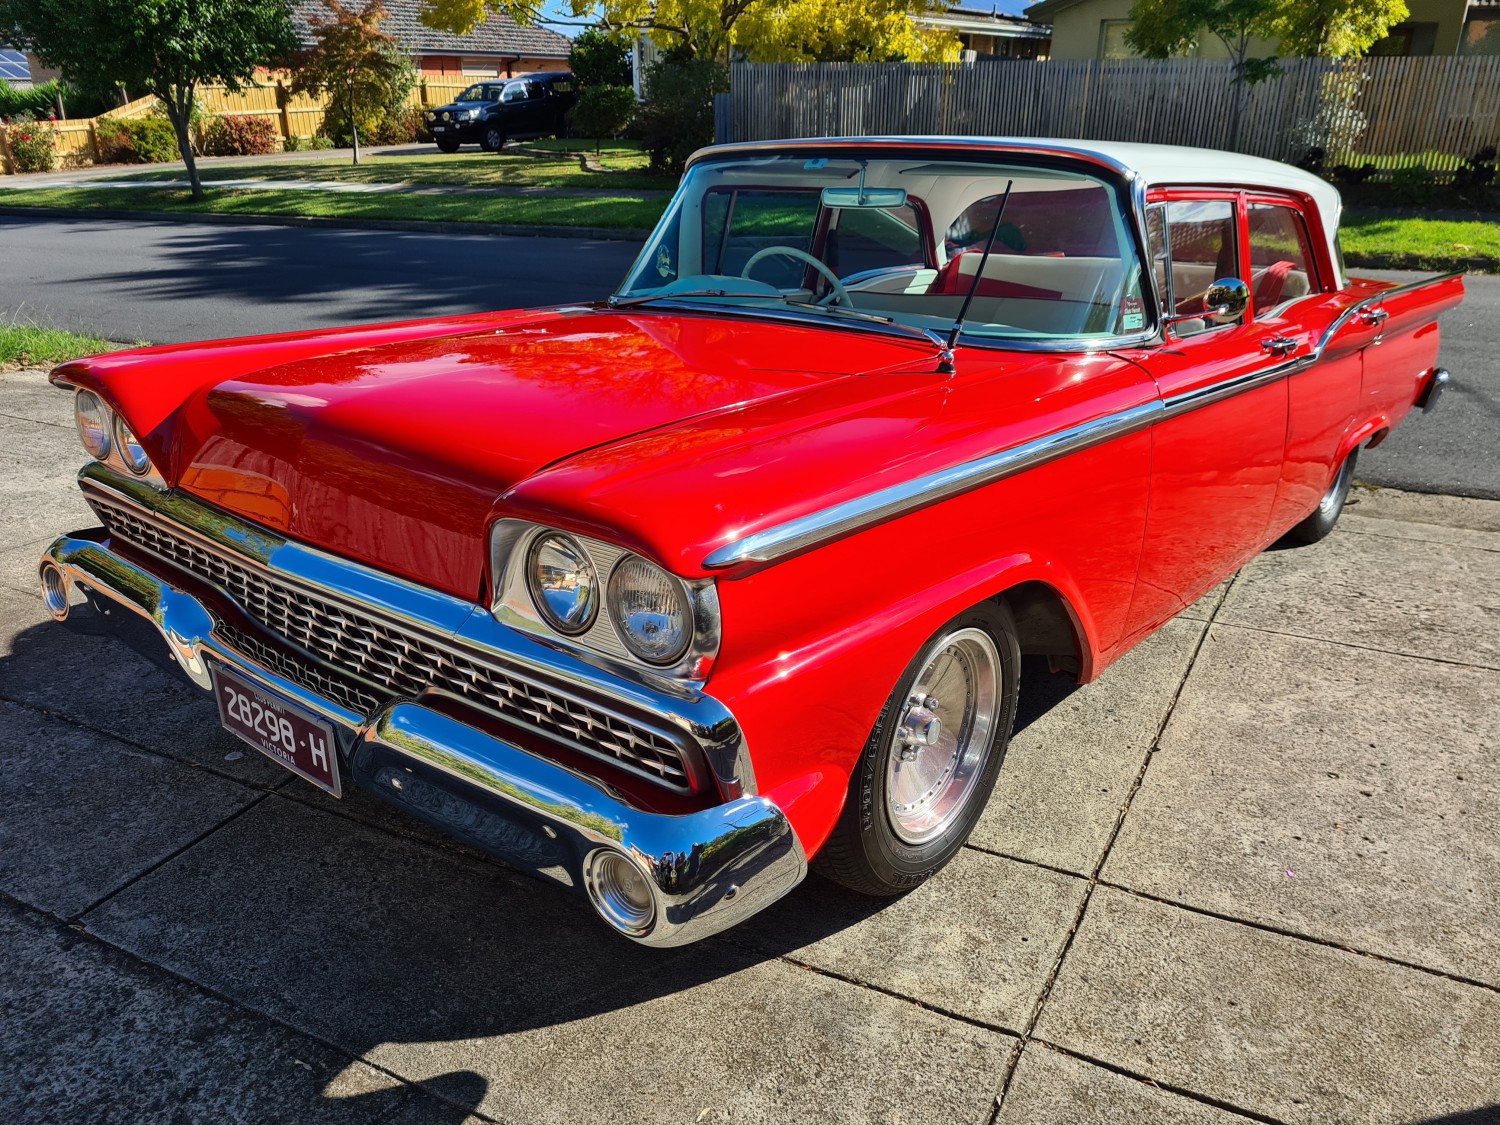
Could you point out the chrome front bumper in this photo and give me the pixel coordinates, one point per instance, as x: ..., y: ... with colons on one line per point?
x: 706, y: 870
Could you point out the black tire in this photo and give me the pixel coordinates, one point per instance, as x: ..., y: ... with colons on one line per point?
x: 447, y: 145
x: 873, y: 850
x: 493, y: 139
x: 1326, y: 515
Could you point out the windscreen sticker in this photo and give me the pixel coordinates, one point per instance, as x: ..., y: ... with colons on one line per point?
x: 1132, y: 314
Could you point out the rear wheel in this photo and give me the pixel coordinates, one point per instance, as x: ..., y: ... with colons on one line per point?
x: 447, y: 144
x: 493, y: 139
x: 1326, y: 515
x: 930, y: 763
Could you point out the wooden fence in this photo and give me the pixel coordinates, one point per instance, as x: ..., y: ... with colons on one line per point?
x: 1392, y: 112
x: 295, y: 115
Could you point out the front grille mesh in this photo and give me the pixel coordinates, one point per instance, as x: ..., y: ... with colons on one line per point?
x: 388, y: 660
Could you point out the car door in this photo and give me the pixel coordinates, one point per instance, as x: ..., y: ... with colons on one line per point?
x: 1217, y: 451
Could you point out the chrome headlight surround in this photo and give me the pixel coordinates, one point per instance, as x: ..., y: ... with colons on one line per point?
x: 513, y: 604
x: 108, y: 438
x: 95, y: 428
x: 563, y: 583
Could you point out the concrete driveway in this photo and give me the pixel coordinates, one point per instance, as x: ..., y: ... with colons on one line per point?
x: 1250, y: 874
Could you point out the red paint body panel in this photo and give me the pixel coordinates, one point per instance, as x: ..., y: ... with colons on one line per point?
x: 673, y: 434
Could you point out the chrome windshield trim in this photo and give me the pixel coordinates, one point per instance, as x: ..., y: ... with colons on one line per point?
x: 876, y: 507
x: 445, y: 619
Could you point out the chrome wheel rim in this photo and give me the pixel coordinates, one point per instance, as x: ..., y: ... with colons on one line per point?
x: 1335, y: 494
x: 937, y: 749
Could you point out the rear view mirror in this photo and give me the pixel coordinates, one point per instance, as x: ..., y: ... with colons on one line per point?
x: 864, y: 197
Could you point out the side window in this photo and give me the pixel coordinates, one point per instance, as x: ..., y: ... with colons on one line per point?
x: 1201, y: 242
x: 515, y: 92
x: 1281, y: 264
x: 1156, y: 235
x: 739, y: 224
x: 872, y: 238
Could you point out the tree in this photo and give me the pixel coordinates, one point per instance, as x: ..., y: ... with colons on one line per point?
x: 1335, y: 29
x: 599, y: 59
x: 167, y: 48
x: 765, y: 30
x: 603, y: 111
x: 360, y: 66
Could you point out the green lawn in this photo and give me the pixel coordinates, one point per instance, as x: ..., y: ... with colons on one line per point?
x: 621, y: 212
x: 625, y: 166
x: 1417, y: 243
x: 24, y: 344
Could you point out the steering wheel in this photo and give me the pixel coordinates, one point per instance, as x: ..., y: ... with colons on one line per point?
x: 839, y: 293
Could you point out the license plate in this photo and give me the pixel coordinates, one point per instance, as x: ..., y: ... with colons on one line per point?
x: 279, y: 731
x: 438, y: 128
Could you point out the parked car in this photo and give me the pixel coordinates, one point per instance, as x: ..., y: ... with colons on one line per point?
x: 664, y: 595
x: 492, y: 112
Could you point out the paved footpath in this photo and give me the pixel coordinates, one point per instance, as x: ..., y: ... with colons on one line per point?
x: 1251, y: 874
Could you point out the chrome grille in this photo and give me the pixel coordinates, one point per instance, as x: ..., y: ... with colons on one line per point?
x: 390, y: 660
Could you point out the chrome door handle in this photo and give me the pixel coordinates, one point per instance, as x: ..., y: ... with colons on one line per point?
x: 1372, y: 317
x: 1279, y: 345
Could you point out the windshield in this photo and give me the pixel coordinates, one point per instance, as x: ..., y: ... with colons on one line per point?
x: 481, y: 92
x: 901, y: 239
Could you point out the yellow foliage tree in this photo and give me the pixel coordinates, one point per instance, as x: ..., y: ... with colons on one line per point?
x: 762, y: 30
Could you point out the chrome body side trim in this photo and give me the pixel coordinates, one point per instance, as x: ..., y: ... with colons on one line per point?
x: 443, y: 618
x: 1434, y: 389
x: 707, y: 870
x: 876, y: 507
x: 819, y: 527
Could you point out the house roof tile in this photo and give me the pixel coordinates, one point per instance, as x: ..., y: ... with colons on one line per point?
x: 498, y: 35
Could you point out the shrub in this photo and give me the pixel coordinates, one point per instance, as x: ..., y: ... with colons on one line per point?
x: 41, y: 100
x: 1412, y: 185
x: 146, y: 140
x: 678, y: 115
x: 401, y: 126
x: 295, y: 143
x: 33, y: 144
x: 598, y: 58
x: 603, y: 111
x: 241, y: 135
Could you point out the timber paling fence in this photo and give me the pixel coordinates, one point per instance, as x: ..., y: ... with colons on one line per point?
x: 1392, y: 112
x: 295, y: 115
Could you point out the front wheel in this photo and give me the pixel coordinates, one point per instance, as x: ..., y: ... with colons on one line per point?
x: 930, y: 763
x: 1326, y: 515
x: 493, y: 139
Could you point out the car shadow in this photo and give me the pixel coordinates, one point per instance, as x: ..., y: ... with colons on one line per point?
x: 358, y: 925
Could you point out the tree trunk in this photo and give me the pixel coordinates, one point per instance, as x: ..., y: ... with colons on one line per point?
x: 353, y: 127
x: 179, y: 103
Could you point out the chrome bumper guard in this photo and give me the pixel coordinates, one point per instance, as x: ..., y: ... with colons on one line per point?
x: 683, y: 877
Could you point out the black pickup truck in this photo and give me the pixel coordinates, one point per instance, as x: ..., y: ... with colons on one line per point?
x: 491, y: 112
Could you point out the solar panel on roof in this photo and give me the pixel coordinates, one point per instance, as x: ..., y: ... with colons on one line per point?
x: 13, y: 66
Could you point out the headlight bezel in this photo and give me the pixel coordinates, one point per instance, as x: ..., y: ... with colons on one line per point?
x: 124, y: 439
x: 563, y: 543
x: 512, y: 604
x: 85, y: 399
x: 613, y: 601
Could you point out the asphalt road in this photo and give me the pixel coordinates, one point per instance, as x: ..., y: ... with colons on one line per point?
x: 167, y: 282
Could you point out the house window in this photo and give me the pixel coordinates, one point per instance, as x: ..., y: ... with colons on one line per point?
x: 1481, y: 37
x: 1406, y: 40
x: 481, y: 68
x: 1112, y: 43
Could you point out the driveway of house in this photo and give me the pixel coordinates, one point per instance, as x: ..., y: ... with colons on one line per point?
x: 1251, y: 874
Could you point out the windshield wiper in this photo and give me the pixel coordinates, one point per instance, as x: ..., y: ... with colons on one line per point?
x: 646, y: 298
x: 905, y: 329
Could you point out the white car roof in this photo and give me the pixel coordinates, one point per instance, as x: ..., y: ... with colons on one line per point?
x: 1155, y: 165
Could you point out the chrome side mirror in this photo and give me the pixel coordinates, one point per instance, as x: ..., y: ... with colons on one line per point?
x: 1226, y: 300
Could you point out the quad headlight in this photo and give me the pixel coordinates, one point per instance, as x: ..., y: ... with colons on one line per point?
x: 94, y: 427
x: 131, y: 451
x: 564, y: 586
x: 650, y: 610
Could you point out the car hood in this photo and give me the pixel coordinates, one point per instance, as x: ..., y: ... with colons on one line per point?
x: 401, y: 455
x: 462, y: 105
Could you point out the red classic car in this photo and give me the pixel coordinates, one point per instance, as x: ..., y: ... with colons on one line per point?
x: 663, y: 596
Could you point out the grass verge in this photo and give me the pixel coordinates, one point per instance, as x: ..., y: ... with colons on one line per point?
x: 1379, y: 240
x: 615, y: 212
x: 39, y: 345
x: 625, y: 169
